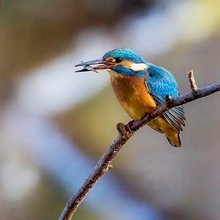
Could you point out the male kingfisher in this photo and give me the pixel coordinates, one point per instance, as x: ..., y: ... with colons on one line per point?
x: 140, y: 86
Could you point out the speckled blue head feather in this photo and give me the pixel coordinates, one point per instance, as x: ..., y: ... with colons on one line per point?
x: 126, y: 54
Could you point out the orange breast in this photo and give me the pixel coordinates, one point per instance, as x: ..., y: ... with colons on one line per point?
x: 133, y: 95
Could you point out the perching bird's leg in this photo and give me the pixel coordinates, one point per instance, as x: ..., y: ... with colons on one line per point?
x: 128, y: 126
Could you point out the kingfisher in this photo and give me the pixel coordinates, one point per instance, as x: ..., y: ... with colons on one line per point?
x: 140, y: 87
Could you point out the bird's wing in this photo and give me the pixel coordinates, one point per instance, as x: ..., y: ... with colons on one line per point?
x: 160, y: 84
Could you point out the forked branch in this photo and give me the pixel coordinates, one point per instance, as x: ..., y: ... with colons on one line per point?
x: 103, y: 165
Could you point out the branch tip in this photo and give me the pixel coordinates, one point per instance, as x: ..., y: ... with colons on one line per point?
x: 192, y: 81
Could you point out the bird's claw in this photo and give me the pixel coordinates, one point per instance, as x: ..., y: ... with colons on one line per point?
x: 128, y: 126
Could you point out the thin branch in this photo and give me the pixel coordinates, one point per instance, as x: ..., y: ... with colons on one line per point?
x: 124, y: 134
x: 192, y: 81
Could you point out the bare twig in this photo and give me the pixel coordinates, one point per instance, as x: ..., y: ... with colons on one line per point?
x: 192, y: 81
x: 124, y: 135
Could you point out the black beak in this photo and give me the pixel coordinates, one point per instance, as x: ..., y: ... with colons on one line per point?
x: 89, y: 63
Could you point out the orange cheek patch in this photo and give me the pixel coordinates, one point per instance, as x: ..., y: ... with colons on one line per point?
x: 126, y: 64
x: 110, y: 59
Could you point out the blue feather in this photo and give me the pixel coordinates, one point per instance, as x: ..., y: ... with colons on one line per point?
x: 160, y: 84
x: 126, y: 54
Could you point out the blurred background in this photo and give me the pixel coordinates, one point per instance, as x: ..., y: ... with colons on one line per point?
x: 56, y: 123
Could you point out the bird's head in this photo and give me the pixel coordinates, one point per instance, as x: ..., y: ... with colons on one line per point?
x: 122, y: 61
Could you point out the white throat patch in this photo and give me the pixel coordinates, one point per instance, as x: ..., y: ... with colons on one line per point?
x: 138, y: 66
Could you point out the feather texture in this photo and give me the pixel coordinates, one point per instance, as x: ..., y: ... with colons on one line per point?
x: 160, y: 84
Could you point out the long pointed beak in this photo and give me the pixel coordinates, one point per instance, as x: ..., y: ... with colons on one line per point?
x: 89, y: 63
x: 94, y: 65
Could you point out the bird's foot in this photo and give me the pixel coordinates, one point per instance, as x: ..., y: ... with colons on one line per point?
x: 128, y: 126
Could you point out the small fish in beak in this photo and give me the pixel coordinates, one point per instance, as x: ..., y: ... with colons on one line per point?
x: 94, y: 65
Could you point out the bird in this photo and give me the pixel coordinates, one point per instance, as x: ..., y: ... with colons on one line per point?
x: 140, y: 87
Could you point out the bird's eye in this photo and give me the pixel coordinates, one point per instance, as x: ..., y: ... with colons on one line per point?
x: 118, y: 59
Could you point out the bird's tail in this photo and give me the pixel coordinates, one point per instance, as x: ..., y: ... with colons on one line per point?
x: 174, y: 139
x: 172, y: 134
